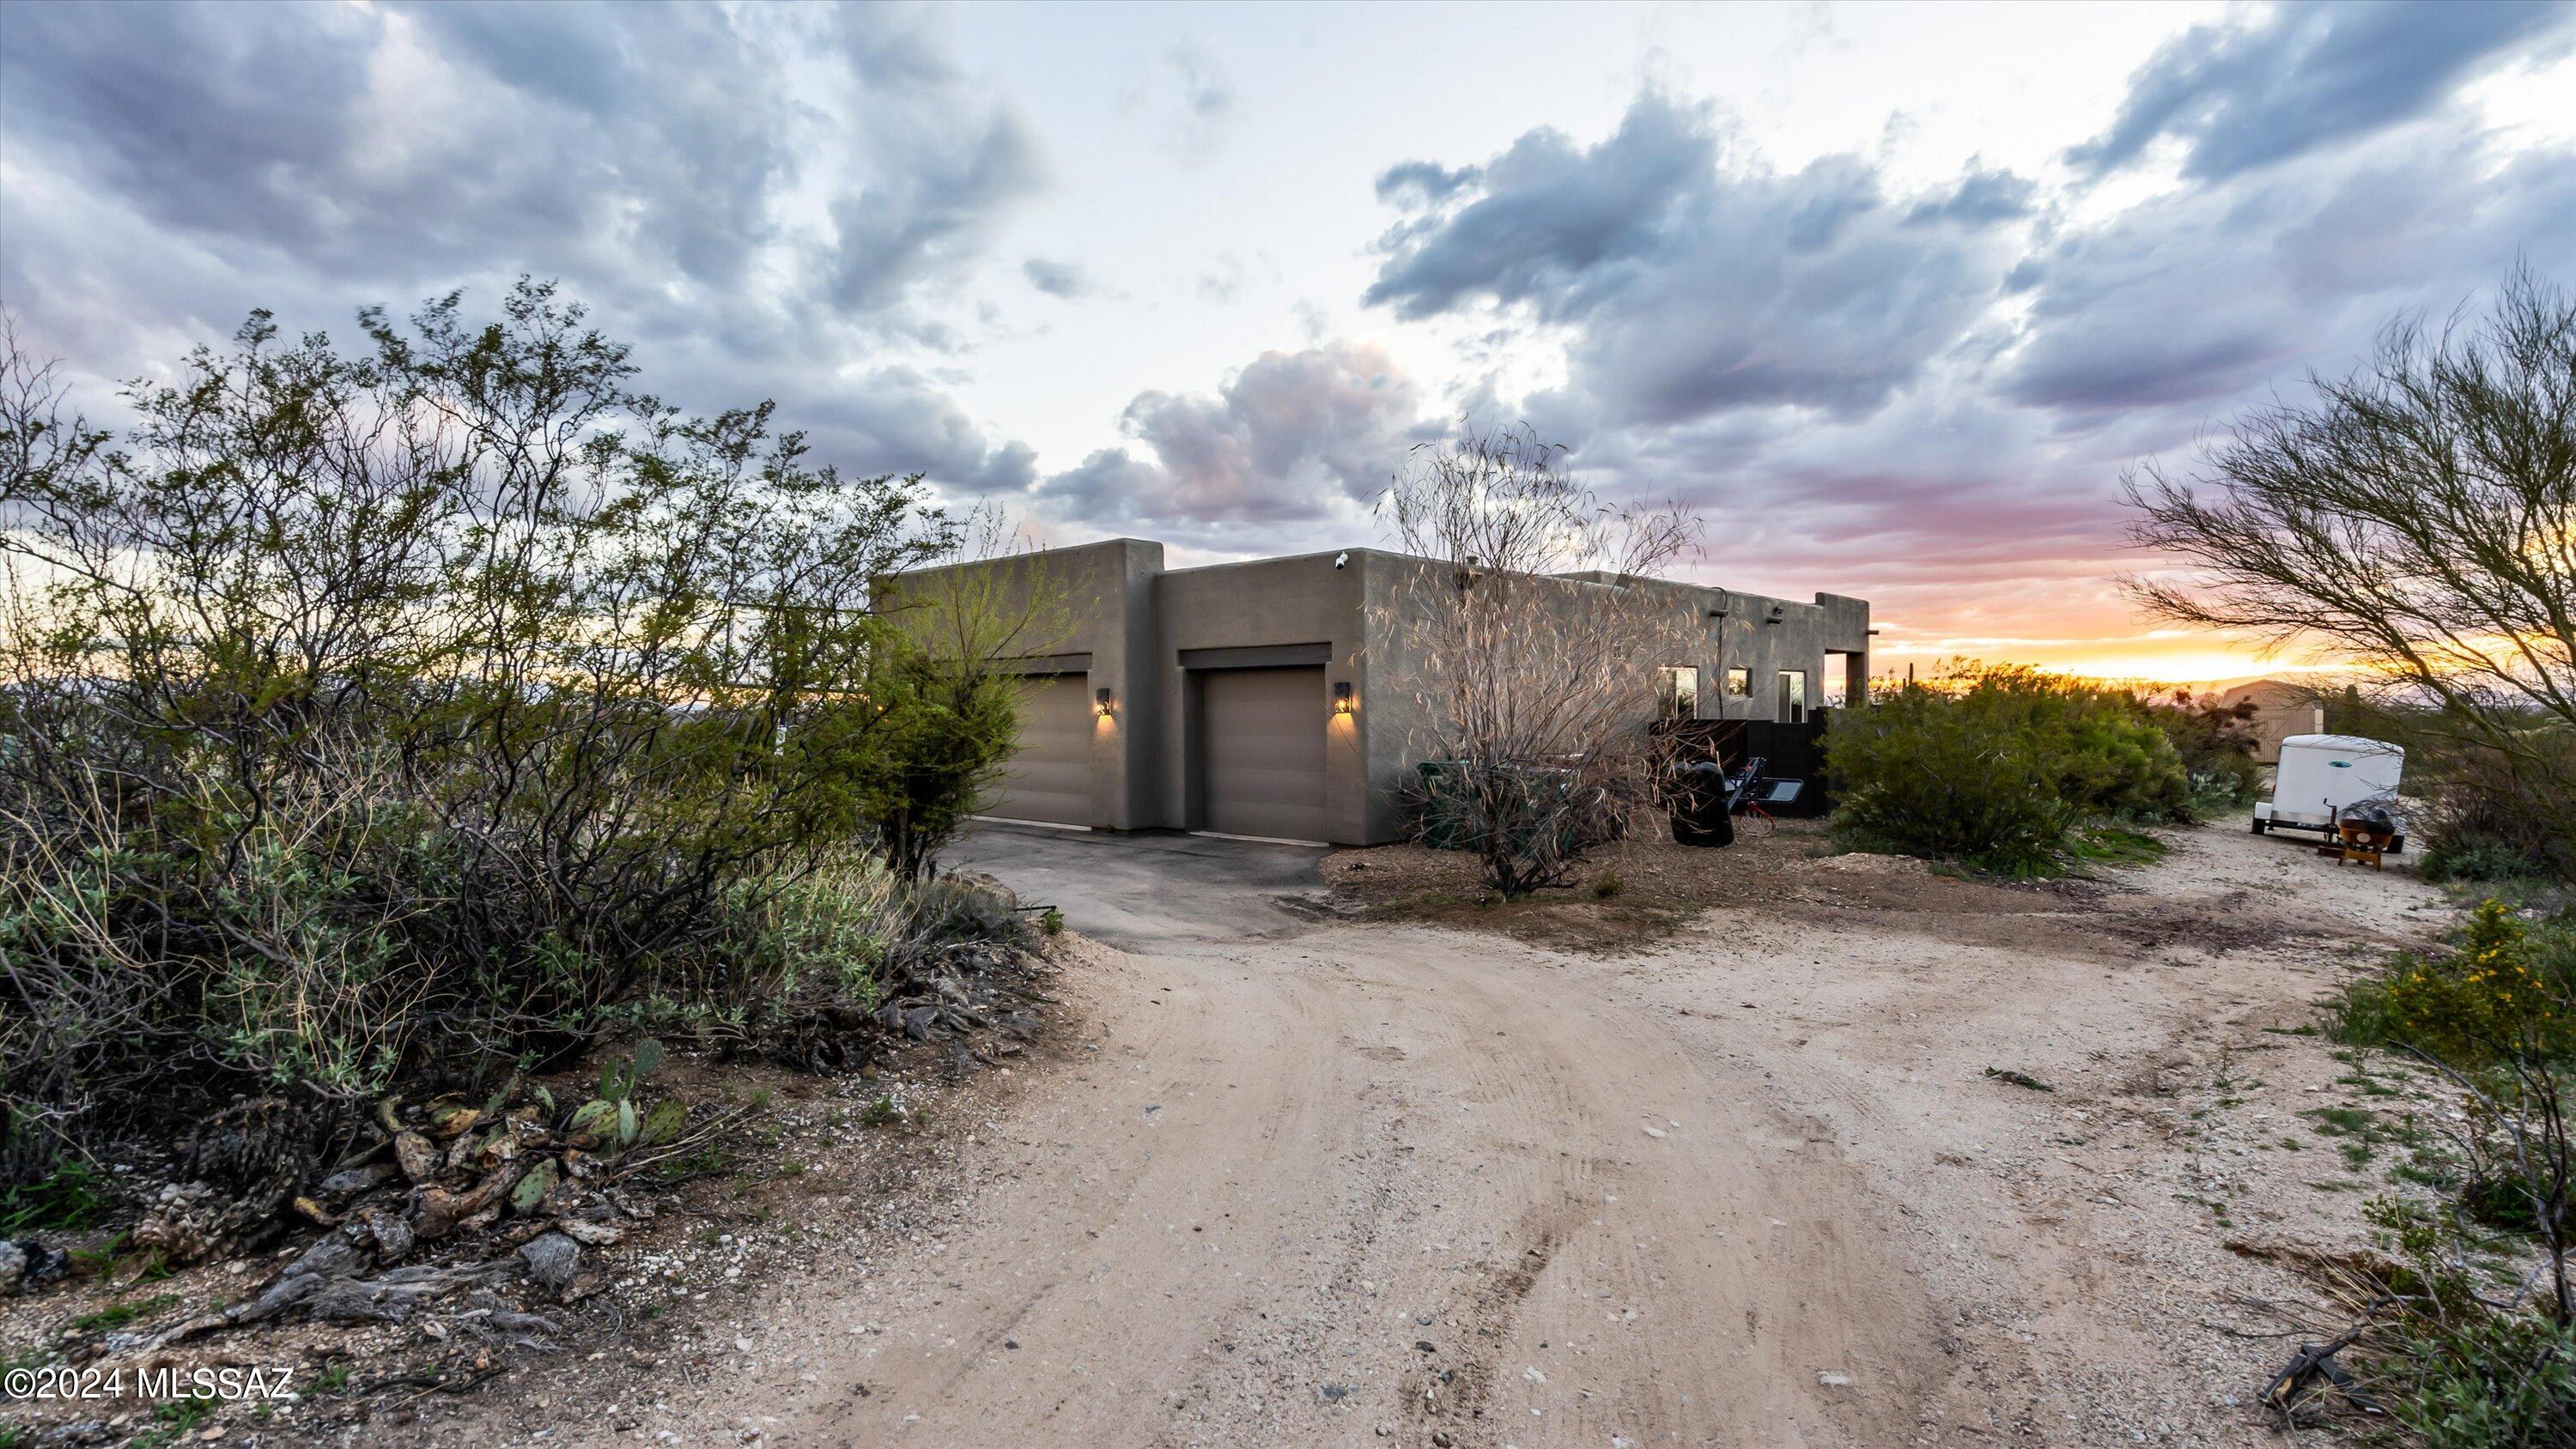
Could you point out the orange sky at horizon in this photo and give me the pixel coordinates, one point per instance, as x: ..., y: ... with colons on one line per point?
x: 2197, y: 657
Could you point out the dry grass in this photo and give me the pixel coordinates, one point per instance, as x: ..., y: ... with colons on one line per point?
x: 1659, y: 886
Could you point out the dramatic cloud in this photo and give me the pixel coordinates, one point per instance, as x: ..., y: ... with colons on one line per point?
x: 1293, y: 437
x: 752, y: 194
x: 1696, y: 282
x: 1940, y: 387
x: 1422, y: 183
x: 1981, y: 198
x: 2308, y: 266
x: 2244, y: 94
x: 1920, y: 390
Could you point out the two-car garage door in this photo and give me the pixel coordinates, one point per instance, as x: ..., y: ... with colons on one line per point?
x: 1262, y: 752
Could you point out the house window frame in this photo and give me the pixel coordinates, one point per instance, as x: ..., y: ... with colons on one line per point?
x: 1793, y: 706
x: 1739, y: 682
x: 1677, y: 691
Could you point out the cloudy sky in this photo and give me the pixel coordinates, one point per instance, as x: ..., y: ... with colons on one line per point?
x: 1890, y: 293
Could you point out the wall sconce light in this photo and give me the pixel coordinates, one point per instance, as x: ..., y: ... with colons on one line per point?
x: 1342, y: 701
x: 1104, y: 704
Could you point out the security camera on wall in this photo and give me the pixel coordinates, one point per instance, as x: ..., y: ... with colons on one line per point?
x: 1342, y: 560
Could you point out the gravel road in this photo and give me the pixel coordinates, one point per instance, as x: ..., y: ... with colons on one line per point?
x: 1297, y: 1180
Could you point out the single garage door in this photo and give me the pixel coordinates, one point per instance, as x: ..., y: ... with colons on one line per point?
x: 1049, y: 776
x: 1262, y: 752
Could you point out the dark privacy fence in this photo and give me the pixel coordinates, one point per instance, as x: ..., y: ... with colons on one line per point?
x: 1788, y: 751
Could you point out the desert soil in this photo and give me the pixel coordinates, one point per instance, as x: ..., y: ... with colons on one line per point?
x: 1327, y: 1176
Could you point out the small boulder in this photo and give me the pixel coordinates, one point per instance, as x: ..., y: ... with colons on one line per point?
x: 393, y: 1235
x: 359, y: 1179
x: 551, y: 1259
x: 419, y: 1160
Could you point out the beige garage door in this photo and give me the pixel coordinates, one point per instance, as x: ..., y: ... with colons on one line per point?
x: 1049, y: 777
x: 1262, y: 752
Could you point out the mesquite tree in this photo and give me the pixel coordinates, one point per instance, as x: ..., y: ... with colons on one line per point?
x: 1527, y: 641
x: 2418, y: 521
x: 445, y: 702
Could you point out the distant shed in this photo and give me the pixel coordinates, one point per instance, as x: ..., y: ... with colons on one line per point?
x: 2281, y: 709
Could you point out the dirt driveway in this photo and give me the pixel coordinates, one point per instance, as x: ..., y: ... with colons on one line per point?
x: 1309, y: 1181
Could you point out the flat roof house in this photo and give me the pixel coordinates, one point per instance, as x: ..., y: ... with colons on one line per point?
x: 1239, y: 698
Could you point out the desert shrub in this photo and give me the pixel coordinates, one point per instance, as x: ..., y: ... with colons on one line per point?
x: 2456, y: 1367
x: 1523, y: 669
x: 441, y: 706
x: 930, y: 766
x: 2457, y: 857
x: 2503, y: 991
x: 1997, y: 766
x: 2494, y: 811
x: 824, y: 931
x: 958, y: 909
x: 2456, y: 1359
x: 2216, y: 744
x: 2494, y: 1381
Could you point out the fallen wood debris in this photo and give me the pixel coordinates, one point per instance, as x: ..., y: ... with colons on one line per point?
x: 2019, y: 1079
x: 2312, y: 1368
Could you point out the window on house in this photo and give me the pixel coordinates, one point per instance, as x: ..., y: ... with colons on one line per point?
x: 1681, y: 692
x: 1739, y: 683
x: 1793, y: 696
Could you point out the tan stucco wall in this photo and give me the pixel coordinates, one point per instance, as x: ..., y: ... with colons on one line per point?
x: 1094, y: 600
x: 1135, y: 620
x: 2281, y: 709
x: 1269, y: 603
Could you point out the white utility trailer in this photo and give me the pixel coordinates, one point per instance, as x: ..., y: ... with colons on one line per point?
x: 2321, y: 778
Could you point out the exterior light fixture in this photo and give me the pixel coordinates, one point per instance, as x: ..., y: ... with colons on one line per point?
x: 1104, y: 704
x: 1342, y: 701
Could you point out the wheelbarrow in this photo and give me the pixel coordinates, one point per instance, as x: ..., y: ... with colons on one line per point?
x: 2362, y: 834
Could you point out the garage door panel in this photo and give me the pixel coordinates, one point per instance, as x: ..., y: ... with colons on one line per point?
x: 1262, y: 752
x: 1049, y: 774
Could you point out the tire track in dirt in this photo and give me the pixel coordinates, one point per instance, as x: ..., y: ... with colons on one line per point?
x: 1232, y: 1215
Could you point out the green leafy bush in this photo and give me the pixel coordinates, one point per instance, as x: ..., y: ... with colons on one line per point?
x: 2464, y: 856
x: 2489, y: 1382
x: 2505, y: 992
x: 2216, y: 743
x: 2457, y: 1360
x: 441, y: 706
x: 2456, y: 1367
x: 65, y: 1200
x: 1998, y: 766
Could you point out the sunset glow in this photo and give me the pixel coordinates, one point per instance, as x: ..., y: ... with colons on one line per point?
x: 1892, y: 295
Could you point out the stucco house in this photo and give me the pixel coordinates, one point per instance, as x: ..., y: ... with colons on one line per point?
x: 1241, y: 698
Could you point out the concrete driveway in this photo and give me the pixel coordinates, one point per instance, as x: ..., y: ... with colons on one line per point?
x: 1134, y: 891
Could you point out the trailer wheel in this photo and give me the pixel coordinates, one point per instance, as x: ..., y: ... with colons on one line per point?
x: 2258, y: 824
